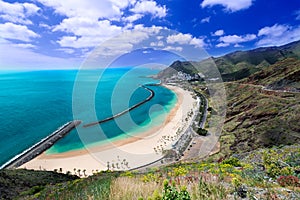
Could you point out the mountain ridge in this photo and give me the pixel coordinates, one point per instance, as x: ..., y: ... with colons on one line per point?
x: 236, y: 65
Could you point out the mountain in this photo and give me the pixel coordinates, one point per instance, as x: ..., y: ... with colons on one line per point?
x: 283, y: 75
x: 263, y: 109
x: 236, y: 65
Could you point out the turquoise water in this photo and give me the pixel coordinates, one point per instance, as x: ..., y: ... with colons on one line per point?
x: 36, y: 103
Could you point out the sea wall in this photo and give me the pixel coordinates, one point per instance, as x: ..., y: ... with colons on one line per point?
x: 41, y: 146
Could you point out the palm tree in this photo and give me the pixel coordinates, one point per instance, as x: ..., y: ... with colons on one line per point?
x: 74, y: 171
x: 107, y: 165
x: 84, y: 172
x: 126, y: 164
x: 79, y: 172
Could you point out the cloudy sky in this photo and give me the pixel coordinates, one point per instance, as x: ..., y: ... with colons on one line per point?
x: 61, y: 33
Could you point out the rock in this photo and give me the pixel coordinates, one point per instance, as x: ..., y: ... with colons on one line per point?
x: 242, y: 192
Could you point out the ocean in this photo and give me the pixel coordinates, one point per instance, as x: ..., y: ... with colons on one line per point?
x: 36, y: 103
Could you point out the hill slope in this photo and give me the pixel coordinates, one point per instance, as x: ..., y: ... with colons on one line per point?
x: 261, y: 110
x: 237, y: 65
x: 284, y: 75
x: 14, y: 182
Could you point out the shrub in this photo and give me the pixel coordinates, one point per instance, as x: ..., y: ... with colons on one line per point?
x: 180, y: 171
x: 273, y: 170
x: 286, y: 171
x: 170, y: 192
x: 236, y: 182
x: 288, y: 181
x: 202, y: 131
x: 127, y: 174
x: 150, y: 178
x: 232, y: 161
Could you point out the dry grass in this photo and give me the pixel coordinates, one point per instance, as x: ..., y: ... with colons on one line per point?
x: 126, y: 188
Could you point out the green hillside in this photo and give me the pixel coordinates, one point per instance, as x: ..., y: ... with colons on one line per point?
x: 263, y: 109
x: 23, y: 182
x: 260, y: 174
x: 283, y: 75
x: 237, y: 65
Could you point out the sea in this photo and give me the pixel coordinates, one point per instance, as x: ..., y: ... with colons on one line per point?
x: 35, y: 103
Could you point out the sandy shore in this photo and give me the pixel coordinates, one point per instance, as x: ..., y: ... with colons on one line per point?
x: 125, y: 154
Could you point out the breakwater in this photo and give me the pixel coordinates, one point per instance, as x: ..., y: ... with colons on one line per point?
x: 128, y: 109
x: 41, y: 146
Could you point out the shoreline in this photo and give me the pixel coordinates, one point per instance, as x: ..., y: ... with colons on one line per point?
x: 132, y: 152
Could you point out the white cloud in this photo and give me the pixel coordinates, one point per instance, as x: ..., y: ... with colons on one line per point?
x: 185, y: 39
x: 277, y: 35
x: 13, y: 56
x: 43, y: 25
x: 170, y: 48
x: 92, y: 9
x: 273, y: 31
x: 30, y: 9
x: 89, y: 23
x: 297, y: 13
x: 238, y: 45
x: 235, y: 39
x: 67, y: 50
x: 157, y: 44
x: 125, y: 42
x: 222, y: 44
x: 230, y: 5
x: 205, y: 20
x: 146, y: 52
x: 198, y: 42
x: 16, y: 32
x: 132, y: 18
x: 86, y: 32
x: 149, y: 6
x: 219, y: 33
x: 24, y: 45
x: 17, y: 12
x: 179, y: 38
x: 80, y: 26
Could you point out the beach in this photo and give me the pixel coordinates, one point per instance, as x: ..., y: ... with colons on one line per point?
x: 132, y: 152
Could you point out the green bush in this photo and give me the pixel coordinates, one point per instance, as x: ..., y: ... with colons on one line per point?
x: 170, y: 192
x: 232, y: 161
x: 202, y: 131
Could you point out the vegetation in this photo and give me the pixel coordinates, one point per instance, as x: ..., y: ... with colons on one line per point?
x: 26, y: 182
x: 283, y: 75
x: 258, y: 117
x: 241, y: 175
x: 202, y: 131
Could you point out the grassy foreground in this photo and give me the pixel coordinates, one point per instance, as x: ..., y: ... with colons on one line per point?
x: 262, y: 174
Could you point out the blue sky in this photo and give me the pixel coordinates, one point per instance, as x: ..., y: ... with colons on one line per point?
x: 43, y: 34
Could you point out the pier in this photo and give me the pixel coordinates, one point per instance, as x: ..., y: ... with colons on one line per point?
x: 41, y: 146
x: 128, y: 109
